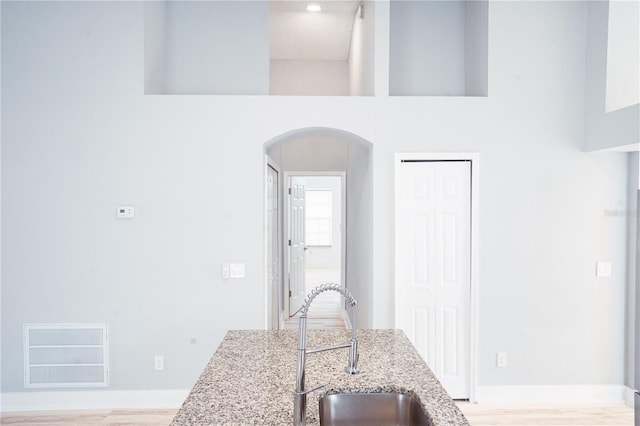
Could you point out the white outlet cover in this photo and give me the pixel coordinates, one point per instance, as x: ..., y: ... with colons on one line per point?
x: 158, y: 361
x: 501, y: 359
x: 603, y: 269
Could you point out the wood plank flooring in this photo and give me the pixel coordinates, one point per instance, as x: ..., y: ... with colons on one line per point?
x: 90, y: 418
x: 326, y: 309
x: 325, y: 312
x: 548, y: 415
x: 478, y: 415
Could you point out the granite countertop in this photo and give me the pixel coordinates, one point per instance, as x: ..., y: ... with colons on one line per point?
x: 250, y: 379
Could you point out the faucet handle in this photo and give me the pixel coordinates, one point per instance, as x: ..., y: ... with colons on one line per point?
x: 354, y: 356
x: 352, y: 368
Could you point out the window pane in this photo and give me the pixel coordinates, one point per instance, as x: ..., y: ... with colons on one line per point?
x: 318, y: 217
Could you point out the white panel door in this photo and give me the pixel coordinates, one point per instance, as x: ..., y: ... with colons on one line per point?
x: 434, y: 248
x: 296, y: 244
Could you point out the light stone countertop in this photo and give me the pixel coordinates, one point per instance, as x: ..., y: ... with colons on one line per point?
x: 250, y: 379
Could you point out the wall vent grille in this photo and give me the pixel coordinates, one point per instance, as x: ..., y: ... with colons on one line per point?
x: 66, y: 355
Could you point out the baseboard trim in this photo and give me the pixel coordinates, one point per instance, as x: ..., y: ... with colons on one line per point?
x: 91, y: 400
x: 629, y: 398
x: 581, y: 394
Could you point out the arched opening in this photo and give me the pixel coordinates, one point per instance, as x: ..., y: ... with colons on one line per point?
x: 318, y: 151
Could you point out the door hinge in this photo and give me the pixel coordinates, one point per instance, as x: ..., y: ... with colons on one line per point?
x: 289, y: 191
x: 289, y: 243
x: 289, y: 293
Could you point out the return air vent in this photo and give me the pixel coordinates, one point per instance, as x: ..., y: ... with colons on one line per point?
x: 66, y: 355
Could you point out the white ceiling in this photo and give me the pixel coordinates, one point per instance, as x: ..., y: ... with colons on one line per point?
x: 296, y: 34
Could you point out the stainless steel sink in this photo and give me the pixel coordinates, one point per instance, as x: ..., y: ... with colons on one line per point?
x: 390, y: 408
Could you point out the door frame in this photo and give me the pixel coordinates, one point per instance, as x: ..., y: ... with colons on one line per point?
x: 268, y: 162
x: 474, y: 159
x: 285, y: 227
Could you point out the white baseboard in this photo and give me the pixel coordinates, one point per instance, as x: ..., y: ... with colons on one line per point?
x: 581, y: 394
x: 629, y: 396
x: 91, y: 400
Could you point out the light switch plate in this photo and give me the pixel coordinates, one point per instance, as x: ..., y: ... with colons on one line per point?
x: 225, y: 270
x: 236, y: 270
x: 603, y: 269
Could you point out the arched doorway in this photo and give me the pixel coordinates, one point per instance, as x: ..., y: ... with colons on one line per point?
x: 318, y: 151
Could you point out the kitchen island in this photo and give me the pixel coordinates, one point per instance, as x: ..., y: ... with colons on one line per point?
x: 250, y: 379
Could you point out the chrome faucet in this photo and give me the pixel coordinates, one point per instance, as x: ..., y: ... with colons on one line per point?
x: 300, y: 395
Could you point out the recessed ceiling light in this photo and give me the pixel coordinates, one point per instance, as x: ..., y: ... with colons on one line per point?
x: 313, y: 7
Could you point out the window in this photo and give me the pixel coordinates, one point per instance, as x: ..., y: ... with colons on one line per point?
x: 318, y: 217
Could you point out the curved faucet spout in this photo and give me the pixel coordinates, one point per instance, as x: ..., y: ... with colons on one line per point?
x: 300, y: 395
x: 327, y: 287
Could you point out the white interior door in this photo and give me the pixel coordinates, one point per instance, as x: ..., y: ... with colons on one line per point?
x: 434, y: 260
x: 273, y: 273
x: 296, y: 244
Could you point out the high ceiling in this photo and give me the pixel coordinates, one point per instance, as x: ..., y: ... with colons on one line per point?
x: 296, y: 34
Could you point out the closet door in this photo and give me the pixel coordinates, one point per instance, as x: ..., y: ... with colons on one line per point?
x: 434, y: 256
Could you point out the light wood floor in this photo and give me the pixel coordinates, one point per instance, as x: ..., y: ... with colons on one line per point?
x: 326, y: 309
x: 90, y: 418
x: 478, y: 415
x: 548, y: 415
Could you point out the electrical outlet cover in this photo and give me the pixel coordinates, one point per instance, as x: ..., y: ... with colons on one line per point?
x: 603, y: 269
x: 158, y: 363
x: 501, y: 359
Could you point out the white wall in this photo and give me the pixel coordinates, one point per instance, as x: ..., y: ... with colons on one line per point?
x: 155, y: 45
x: 309, y: 78
x: 79, y: 138
x: 427, y: 48
x: 361, y: 53
x: 312, y: 154
x: 217, y: 47
x: 623, y: 55
x: 604, y: 129
x: 476, y: 56
x: 0, y: 194
x: 631, y: 215
x: 360, y: 237
x: 83, y: 140
x: 541, y: 232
